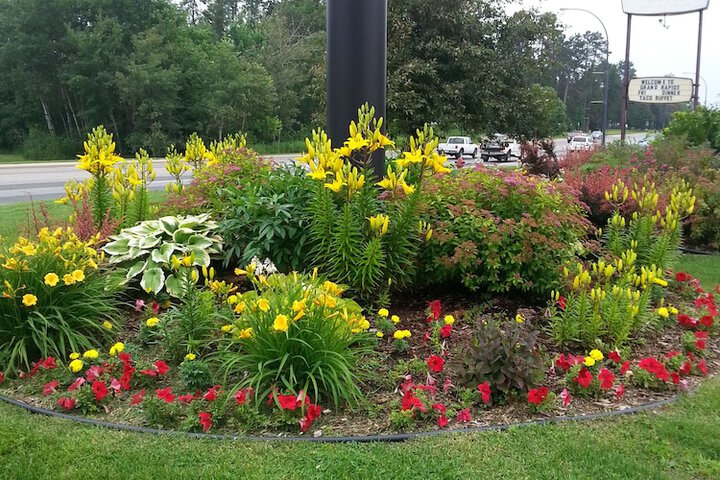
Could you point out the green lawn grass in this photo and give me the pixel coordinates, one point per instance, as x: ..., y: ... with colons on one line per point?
x: 705, y: 268
x: 17, y: 218
x: 18, y: 158
x: 682, y: 441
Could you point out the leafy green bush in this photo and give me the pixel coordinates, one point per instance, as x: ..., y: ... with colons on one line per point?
x: 266, y: 219
x: 40, y: 145
x: 503, y: 353
x: 54, y: 300
x: 498, y: 231
x: 698, y: 127
x: 295, y: 333
x: 151, y: 248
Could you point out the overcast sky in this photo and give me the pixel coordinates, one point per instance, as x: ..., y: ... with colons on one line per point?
x: 658, y: 46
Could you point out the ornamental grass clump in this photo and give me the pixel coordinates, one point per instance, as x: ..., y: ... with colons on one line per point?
x: 295, y: 333
x: 53, y: 297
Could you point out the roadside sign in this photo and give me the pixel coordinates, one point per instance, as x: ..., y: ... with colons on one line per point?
x: 660, y: 90
x: 663, y: 7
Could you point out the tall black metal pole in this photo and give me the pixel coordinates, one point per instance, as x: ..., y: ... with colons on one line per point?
x: 696, y: 98
x: 356, y: 65
x: 626, y: 84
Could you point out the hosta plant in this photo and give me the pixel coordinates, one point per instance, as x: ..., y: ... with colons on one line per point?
x: 166, y: 252
x: 295, y: 333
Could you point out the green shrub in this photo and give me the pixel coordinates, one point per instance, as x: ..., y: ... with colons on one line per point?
x: 54, y: 299
x: 503, y: 353
x: 266, y: 219
x: 698, y: 127
x: 165, y: 251
x: 497, y: 231
x: 295, y: 333
x: 40, y: 145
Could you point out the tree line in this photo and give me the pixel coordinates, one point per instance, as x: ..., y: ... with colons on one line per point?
x: 154, y: 71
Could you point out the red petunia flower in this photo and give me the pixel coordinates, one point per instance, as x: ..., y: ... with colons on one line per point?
x: 439, y: 407
x: 484, y: 389
x: 76, y: 384
x: 682, y: 277
x: 562, y: 302
x: 67, y: 403
x: 242, y: 395
x: 537, y: 395
x: 463, y: 415
x: 702, y: 366
x: 625, y: 367
x: 187, y: 399
x: 50, y: 387
x: 287, y: 402
x: 707, y: 321
x: 445, y: 331
x: 49, y: 363
x: 150, y: 372
x: 161, y: 367
x: 614, y: 356
x: 212, y: 393
x: 442, y: 421
x: 435, y: 310
x: 685, y: 368
x: 115, y: 386
x: 675, y: 377
x: 93, y: 373
x: 205, y: 420
x: 410, y: 401
x: 686, y: 321
x: 565, y: 397
x: 100, y: 390
x: 607, y: 379
x: 312, y: 413
x: 620, y: 391
x: 584, y: 378
x: 2, y: 377
x: 430, y: 389
x: 700, y: 344
x: 651, y: 365
x: 137, y: 398
x: 165, y: 395
x: 436, y: 363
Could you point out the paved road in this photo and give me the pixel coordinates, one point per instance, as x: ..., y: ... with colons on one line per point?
x: 42, y: 181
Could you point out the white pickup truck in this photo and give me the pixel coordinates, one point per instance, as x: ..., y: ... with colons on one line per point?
x: 458, y: 146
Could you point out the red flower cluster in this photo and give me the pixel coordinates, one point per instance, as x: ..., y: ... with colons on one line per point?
x: 484, y: 389
x: 607, y: 379
x: 67, y: 403
x: 565, y: 363
x: 100, y: 390
x: 614, y: 356
x: 435, y: 309
x: 584, y: 378
x: 212, y: 393
x: 165, y: 395
x: 435, y: 363
x: 700, y: 340
x: 538, y: 395
x: 410, y: 401
x: 137, y: 398
x: 159, y: 368
x: 313, y: 412
x: 128, y: 370
x: 445, y: 331
x: 651, y: 365
x: 205, y: 420
x: 463, y: 415
x: 242, y: 395
x: 44, y: 363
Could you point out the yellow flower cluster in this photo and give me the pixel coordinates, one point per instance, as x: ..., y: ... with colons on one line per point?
x: 196, y: 153
x: 99, y: 158
x: 51, y: 256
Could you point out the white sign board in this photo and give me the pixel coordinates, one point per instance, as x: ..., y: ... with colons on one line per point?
x: 663, y: 7
x: 660, y: 90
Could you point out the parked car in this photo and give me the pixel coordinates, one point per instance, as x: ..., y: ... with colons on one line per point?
x: 500, y: 147
x: 458, y: 146
x: 575, y: 133
x: 581, y: 143
x: 597, y: 136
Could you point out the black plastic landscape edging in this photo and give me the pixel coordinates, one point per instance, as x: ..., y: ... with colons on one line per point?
x: 397, y: 437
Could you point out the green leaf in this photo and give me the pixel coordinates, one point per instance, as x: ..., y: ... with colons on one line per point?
x: 153, y: 280
x: 182, y: 235
x: 163, y: 254
x: 118, y: 247
x: 174, y: 286
x: 199, y: 241
x: 135, y: 269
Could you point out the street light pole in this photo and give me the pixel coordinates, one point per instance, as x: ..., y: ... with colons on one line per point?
x: 607, y: 69
x: 698, y: 86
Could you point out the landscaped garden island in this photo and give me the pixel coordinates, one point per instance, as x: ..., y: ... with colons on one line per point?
x: 324, y: 299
